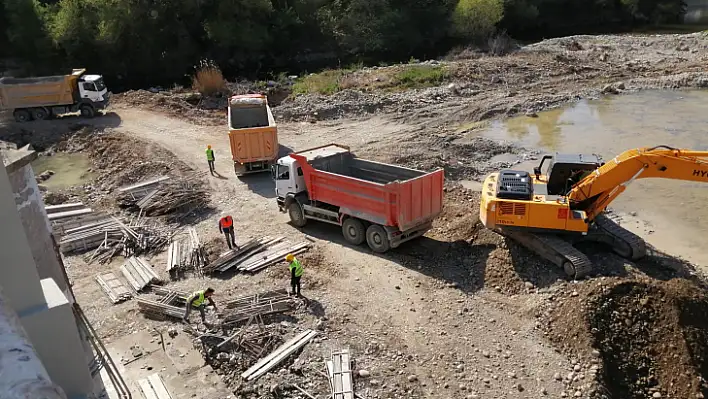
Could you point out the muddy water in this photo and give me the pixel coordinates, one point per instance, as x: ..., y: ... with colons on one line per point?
x: 69, y: 170
x: 671, y: 215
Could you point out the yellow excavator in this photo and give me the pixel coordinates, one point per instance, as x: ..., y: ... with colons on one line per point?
x: 563, y: 202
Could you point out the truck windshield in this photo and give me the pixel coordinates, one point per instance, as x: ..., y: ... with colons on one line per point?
x: 99, y: 84
x: 283, y: 172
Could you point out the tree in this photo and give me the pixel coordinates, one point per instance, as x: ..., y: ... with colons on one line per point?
x: 473, y: 19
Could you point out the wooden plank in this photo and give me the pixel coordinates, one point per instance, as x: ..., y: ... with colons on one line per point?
x: 274, y: 354
x: 159, y: 386
x: 64, y: 207
x: 148, y: 392
x: 347, y: 376
x: 68, y: 214
x: 337, y: 376
x: 282, y: 356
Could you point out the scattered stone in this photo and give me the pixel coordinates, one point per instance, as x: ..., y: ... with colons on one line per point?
x: 364, y: 373
x: 412, y: 378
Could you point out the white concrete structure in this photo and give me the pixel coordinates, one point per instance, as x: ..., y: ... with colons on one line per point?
x: 36, y: 289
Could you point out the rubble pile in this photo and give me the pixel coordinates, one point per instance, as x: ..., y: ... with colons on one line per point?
x: 638, y: 338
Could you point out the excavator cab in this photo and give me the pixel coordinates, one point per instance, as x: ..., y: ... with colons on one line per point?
x: 565, y: 170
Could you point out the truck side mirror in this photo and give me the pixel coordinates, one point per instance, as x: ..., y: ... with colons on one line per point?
x: 272, y: 171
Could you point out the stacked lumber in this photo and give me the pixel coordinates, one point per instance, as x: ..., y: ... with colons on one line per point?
x: 278, y: 355
x: 186, y: 252
x: 155, y: 308
x: 257, y: 305
x: 113, y: 287
x: 257, y: 254
x: 138, y: 237
x: 339, y: 370
x: 153, y: 387
x: 139, y: 273
x: 93, y: 234
x: 165, y: 195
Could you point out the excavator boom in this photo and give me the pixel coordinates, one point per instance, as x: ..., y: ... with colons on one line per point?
x: 549, y: 212
x: 597, y: 190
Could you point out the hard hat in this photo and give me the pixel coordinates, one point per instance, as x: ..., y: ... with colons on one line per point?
x: 289, y: 257
x: 209, y: 146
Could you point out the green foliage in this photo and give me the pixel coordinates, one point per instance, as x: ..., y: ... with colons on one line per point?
x: 476, y: 18
x: 326, y: 82
x: 157, y: 42
x: 416, y: 76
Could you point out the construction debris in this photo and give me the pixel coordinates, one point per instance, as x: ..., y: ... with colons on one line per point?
x: 186, y: 252
x: 154, y: 388
x: 165, y: 195
x: 159, y: 309
x: 257, y: 305
x: 281, y: 353
x: 339, y: 370
x: 256, y: 254
x: 139, y: 273
x: 113, y: 287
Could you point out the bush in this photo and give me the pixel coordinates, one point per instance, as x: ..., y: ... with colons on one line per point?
x: 474, y: 19
x: 208, y: 79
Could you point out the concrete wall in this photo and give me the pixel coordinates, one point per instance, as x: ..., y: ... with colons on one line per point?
x: 45, y: 311
x: 55, y: 337
x: 36, y: 225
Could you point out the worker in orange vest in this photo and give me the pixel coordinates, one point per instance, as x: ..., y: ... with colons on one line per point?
x: 226, y: 226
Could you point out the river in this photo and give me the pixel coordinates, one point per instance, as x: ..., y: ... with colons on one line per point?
x: 671, y: 215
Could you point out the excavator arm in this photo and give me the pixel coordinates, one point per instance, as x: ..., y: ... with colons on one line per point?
x: 595, y: 192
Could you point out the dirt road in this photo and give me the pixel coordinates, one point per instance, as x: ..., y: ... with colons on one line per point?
x: 455, y: 338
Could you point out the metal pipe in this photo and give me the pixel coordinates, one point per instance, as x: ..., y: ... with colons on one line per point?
x: 22, y: 374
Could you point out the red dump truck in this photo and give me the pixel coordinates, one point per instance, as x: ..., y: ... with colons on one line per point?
x: 384, y: 205
x: 253, y: 134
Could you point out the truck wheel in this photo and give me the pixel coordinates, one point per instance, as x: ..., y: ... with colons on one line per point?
x: 377, y: 239
x: 87, y: 111
x: 354, y: 231
x: 22, y: 115
x: 297, y: 216
x: 39, y: 114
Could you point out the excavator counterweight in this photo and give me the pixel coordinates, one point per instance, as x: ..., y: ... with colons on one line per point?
x: 563, y: 202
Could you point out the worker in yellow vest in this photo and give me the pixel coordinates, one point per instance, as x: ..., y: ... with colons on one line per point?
x: 210, y: 159
x: 296, y: 271
x: 198, y: 300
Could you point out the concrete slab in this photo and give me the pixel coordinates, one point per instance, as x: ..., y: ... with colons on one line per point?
x: 180, y: 365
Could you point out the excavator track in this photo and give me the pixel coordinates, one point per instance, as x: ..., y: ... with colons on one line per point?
x: 623, y: 242
x: 562, y: 253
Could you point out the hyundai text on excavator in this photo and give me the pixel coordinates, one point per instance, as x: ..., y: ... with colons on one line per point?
x: 563, y: 203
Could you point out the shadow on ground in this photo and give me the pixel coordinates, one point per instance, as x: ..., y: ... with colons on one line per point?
x: 43, y: 134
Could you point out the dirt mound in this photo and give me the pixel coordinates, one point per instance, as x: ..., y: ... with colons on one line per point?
x: 185, y: 105
x: 646, y: 338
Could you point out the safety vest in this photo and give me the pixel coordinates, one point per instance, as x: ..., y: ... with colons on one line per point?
x: 295, y: 264
x: 198, y: 298
x: 226, y: 222
x: 210, y: 154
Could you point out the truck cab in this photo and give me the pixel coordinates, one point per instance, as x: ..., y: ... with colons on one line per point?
x: 289, y: 179
x: 93, y: 89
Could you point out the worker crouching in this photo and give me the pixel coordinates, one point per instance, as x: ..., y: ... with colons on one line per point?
x: 198, y: 301
x: 296, y: 271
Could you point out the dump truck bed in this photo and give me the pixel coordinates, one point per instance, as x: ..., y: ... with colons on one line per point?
x: 46, y: 91
x: 380, y: 193
x: 253, y: 134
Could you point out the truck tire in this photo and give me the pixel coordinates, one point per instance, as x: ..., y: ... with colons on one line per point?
x: 377, y: 239
x: 22, y: 115
x: 354, y: 231
x: 39, y: 114
x: 87, y: 111
x: 297, y: 215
